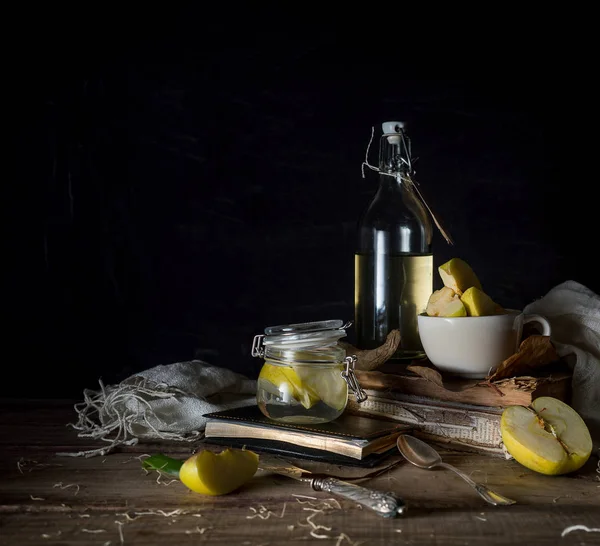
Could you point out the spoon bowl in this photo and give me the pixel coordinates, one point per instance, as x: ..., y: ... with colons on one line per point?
x: 421, y: 454
x: 418, y: 452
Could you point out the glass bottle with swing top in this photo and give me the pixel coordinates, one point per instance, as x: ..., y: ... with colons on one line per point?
x: 393, y: 259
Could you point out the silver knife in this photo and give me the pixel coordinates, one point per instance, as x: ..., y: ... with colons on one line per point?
x: 387, y: 505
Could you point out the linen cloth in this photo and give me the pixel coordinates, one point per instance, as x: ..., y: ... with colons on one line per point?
x: 573, y: 311
x: 164, y: 402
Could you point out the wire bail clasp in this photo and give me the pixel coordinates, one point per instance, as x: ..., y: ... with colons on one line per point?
x: 352, y: 381
x: 258, y: 348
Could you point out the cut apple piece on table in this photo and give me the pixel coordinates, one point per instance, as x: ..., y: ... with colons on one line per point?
x: 549, y: 437
x: 458, y: 275
x: 215, y: 474
x: 478, y: 303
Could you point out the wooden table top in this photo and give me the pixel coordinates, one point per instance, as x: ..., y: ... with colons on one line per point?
x: 109, y: 500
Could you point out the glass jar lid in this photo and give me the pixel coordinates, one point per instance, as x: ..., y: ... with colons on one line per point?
x: 304, y: 335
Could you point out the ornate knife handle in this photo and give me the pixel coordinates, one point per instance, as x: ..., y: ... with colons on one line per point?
x: 384, y: 504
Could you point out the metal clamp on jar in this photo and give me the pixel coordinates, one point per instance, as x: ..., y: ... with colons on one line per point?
x: 306, y: 374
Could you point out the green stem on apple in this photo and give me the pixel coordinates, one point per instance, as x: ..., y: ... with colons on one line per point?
x: 164, y: 464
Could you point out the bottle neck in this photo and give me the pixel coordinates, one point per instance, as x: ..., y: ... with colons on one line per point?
x: 394, y: 155
x: 390, y: 187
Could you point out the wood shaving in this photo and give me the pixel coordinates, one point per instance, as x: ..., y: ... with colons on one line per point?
x: 47, y: 535
x: 139, y: 458
x: 324, y: 504
x: 344, y: 536
x: 172, y: 513
x: 176, y: 512
x: 264, y: 513
x: 164, y: 483
x: 60, y: 484
x: 318, y: 508
x: 93, y: 531
x: 199, y: 530
x: 36, y: 498
x: 314, y: 525
x: 482, y: 519
x: 22, y: 463
x: 568, y: 530
x: 120, y: 528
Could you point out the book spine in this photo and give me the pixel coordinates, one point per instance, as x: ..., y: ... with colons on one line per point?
x: 463, y: 429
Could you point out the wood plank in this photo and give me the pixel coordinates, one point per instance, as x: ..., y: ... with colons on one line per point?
x: 98, y: 478
x: 337, y: 527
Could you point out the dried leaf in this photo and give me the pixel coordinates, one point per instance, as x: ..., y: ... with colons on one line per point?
x: 428, y: 373
x: 534, y: 352
x: 373, y: 358
x: 433, y: 375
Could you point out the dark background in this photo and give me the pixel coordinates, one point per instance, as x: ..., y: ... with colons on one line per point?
x: 183, y: 183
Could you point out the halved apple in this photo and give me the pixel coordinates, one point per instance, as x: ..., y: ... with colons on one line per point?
x: 549, y: 437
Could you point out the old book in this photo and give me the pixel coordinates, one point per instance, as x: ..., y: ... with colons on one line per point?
x: 459, y: 426
x: 520, y: 390
x: 350, y: 436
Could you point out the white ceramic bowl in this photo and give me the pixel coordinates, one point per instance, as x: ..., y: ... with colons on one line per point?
x: 474, y: 346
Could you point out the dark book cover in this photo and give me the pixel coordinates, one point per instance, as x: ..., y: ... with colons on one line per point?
x: 346, y: 427
x: 286, y: 450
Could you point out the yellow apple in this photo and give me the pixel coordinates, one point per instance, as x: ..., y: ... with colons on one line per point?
x: 549, y: 437
x: 214, y: 474
x: 285, y: 379
x: 478, y: 303
x: 455, y: 308
x: 458, y: 275
x: 439, y: 300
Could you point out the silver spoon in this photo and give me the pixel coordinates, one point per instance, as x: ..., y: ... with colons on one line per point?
x: 421, y: 454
